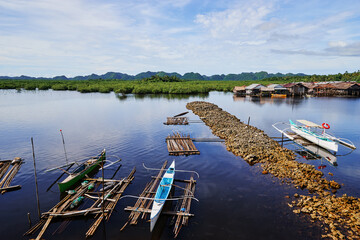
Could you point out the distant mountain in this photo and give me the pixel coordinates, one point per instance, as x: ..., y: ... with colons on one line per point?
x: 148, y: 74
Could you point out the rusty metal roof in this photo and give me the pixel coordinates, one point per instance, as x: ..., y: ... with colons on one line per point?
x: 345, y: 85
x: 325, y: 86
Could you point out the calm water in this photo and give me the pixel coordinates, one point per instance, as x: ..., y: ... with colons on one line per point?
x: 236, y: 200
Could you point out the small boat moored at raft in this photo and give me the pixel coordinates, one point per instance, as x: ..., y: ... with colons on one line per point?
x: 162, y: 194
x: 277, y: 95
x: 316, y: 134
x: 81, y: 171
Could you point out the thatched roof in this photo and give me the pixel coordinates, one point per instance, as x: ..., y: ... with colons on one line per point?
x: 239, y: 88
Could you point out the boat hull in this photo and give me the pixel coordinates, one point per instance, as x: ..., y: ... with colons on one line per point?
x: 155, y: 213
x: 73, y: 179
x: 331, y: 145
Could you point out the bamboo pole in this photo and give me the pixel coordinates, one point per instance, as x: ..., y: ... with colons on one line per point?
x: 62, y: 136
x: 36, y: 183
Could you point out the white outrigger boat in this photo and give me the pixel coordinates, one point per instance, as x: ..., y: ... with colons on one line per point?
x: 162, y: 194
x: 314, y: 133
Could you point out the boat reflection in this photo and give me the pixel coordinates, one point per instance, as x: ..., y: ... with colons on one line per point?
x: 312, y: 151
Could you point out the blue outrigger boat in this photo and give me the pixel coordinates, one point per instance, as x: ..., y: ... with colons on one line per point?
x: 162, y: 194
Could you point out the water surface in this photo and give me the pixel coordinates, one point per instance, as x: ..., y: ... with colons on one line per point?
x: 236, y: 200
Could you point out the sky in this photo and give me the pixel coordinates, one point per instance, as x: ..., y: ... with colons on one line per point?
x: 79, y: 37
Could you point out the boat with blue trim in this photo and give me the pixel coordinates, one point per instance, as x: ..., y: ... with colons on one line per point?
x: 162, y: 193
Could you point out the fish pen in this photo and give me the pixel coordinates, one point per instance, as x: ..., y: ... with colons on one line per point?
x: 180, y: 214
x: 8, y: 170
x: 179, y: 144
x: 177, y: 121
x: 104, y: 202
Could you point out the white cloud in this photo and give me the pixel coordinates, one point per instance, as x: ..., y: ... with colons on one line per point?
x: 78, y: 37
x: 337, y: 44
x: 237, y: 21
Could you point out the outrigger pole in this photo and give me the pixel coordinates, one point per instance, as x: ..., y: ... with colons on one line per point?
x: 174, y: 170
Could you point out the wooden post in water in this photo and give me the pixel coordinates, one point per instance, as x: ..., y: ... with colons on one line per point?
x: 62, y: 136
x: 29, y: 219
x: 248, y: 120
x: 36, y: 183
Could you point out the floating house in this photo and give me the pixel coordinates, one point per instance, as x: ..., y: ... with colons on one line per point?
x: 239, y: 90
x: 254, y: 89
x: 266, y: 91
x: 347, y: 88
x: 310, y: 86
x: 324, y: 90
x: 278, y: 90
x: 297, y: 89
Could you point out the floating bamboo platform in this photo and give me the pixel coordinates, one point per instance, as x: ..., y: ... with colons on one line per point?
x: 178, y: 144
x: 176, y: 121
x: 8, y: 170
x: 143, y: 205
x: 101, y: 209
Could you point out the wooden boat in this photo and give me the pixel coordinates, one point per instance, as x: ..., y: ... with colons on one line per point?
x: 277, y: 95
x: 308, y: 131
x: 316, y: 134
x: 81, y: 171
x: 162, y: 194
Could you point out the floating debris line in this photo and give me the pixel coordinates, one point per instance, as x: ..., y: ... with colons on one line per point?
x: 340, y: 214
x: 179, y: 144
x: 6, y: 175
x: 104, y: 203
x: 180, y: 214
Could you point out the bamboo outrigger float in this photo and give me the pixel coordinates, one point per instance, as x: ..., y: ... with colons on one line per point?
x: 104, y: 203
x: 144, y: 204
x: 6, y: 175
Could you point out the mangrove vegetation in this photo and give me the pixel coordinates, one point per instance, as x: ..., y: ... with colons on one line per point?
x: 161, y: 84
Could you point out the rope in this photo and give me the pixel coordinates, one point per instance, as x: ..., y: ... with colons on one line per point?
x: 174, y: 170
x: 158, y: 199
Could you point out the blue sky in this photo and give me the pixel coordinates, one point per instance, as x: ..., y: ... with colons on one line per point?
x: 80, y: 37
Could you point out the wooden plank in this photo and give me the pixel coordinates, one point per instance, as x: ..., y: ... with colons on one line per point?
x: 10, y: 188
x: 45, y: 226
x: 178, y: 144
x: 35, y: 227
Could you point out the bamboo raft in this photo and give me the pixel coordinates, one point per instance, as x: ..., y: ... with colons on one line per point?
x: 180, y: 214
x: 6, y: 175
x: 101, y: 209
x: 178, y: 144
x: 176, y: 121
